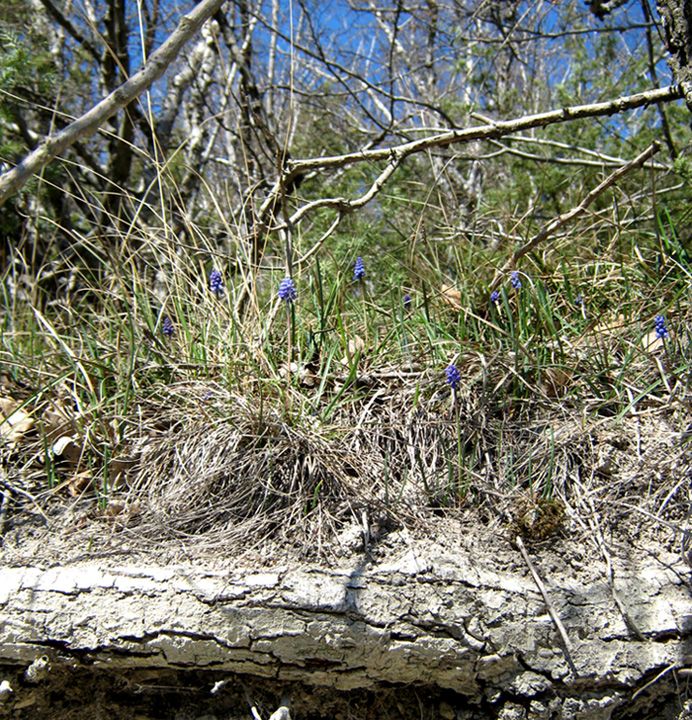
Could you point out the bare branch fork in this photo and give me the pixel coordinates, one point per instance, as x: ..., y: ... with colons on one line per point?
x: 491, y: 130
x: 563, y: 219
x: 89, y: 123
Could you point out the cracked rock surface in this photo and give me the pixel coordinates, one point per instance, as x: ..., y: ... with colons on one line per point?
x: 469, y: 631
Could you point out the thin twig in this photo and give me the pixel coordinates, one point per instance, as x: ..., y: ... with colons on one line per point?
x: 569, y: 648
x: 561, y: 220
x: 600, y: 158
x: 14, y: 489
x: 656, y: 679
x: 251, y: 703
x: 320, y: 242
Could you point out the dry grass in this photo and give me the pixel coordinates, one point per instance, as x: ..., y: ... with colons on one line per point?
x: 570, y: 414
x: 399, y: 454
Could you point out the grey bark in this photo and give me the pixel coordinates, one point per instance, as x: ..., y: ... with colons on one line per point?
x: 396, y: 154
x: 476, y: 625
x: 676, y: 18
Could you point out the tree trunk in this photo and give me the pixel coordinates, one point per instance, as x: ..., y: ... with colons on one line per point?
x: 676, y: 16
x: 469, y: 631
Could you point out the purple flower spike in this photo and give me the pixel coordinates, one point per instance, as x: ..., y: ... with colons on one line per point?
x: 453, y: 377
x: 359, y: 269
x: 287, y: 290
x: 660, y: 327
x: 216, y: 282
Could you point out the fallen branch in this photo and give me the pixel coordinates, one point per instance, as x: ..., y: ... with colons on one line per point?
x: 490, y: 130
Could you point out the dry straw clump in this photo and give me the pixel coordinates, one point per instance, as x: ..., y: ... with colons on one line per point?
x: 250, y: 474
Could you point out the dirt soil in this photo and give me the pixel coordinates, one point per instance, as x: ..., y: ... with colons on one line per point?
x: 79, y: 690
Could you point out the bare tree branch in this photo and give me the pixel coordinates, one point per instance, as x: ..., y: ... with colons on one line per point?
x: 67, y: 25
x: 89, y: 123
x: 574, y: 161
x: 491, y: 130
x: 653, y: 74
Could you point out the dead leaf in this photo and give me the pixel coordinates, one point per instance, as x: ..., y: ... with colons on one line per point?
x: 610, y: 329
x: 65, y: 449
x: 55, y: 421
x: 307, y: 377
x: 118, y: 469
x: 451, y: 296
x: 652, y: 342
x: 356, y: 344
x: 15, y: 421
x: 283, y: 370
x: 115, y: 507
x: 555, y: 381
x: 79, y: 482
x: 122, y: 510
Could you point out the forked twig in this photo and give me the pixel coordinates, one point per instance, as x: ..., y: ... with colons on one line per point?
x: 489, y: 130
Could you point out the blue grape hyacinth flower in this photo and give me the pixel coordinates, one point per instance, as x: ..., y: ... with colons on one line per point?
x: 407, y: 301
x: 216, y: 282
x: 453, y: 377
x: 514, y: 279
x: 167, y: 326
x: 494, y: 296
x: 359, y: 269
x: 660, y: 327
x: 287, y: 290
